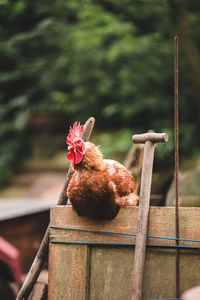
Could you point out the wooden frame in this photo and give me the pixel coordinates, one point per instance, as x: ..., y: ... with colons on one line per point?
x: 96, y: 272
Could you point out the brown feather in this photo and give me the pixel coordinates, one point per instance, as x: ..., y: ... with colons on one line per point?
x: 99, y: 187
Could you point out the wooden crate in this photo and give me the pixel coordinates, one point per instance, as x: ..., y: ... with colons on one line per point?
x: 104, y: 272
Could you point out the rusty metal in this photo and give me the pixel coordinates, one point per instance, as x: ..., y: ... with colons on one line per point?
x: 176, y: 162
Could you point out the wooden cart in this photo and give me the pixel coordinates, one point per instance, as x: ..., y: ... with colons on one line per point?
x: 96, y: 265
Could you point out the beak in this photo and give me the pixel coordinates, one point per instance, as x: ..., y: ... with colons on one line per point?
x: 70, y: 147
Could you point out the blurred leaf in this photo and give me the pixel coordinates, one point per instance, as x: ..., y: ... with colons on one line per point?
x: 111, y: 58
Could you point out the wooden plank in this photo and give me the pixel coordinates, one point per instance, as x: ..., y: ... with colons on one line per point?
x: 105, y: 272
x: 142, y: 223
x: 68, y: 272
x: 161, y: 224
x: 111, y: 271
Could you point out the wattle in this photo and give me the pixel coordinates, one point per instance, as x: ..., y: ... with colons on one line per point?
x: 74, y: 157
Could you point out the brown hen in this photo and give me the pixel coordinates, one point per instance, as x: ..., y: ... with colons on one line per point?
x: 98, y: 186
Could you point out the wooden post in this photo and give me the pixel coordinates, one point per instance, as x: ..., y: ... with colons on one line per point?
x: 109, y: 266
x: 140, y: 248
x: 69, y: 269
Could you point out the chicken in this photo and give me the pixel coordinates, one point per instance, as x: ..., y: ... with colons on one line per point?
x: 98, y: 186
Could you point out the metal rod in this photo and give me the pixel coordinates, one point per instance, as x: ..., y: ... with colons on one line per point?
x: 176, y: 162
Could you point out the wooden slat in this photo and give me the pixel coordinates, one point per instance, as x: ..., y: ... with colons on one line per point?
x: 68, y: 272
x: 105, y: 272
x: 111, y: 273
x: 142, y: 222
x: 161, y: 224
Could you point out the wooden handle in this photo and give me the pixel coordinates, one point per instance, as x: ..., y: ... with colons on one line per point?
x: 88, y: 127
x: 142, y: 223
x: 145, y: 190
x: 151, y: 137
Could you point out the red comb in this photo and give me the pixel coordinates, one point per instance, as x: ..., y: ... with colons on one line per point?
x: 74, y: 132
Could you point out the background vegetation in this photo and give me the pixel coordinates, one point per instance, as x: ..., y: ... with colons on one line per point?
x: 110, y: 59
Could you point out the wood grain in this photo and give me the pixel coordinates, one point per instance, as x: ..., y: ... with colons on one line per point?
x: 150, y: 136
x: 161, y: 223
x: 105, y: 271
x: 69, y: 269
x: 142, y: 223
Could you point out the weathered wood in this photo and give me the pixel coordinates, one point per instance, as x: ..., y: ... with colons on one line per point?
x: 140, y: 249
x: 142, y: 223
x: 111, y: 267
x: 161, y: 223
x: 69, y: 269
x: 153, y: 137
x: 111, y: 270
x: 43, y: 249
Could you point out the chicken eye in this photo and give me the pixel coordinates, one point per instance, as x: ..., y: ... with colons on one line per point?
x: 78, y: 142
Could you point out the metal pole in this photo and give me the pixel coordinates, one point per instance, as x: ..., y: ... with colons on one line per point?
x: 176, y: 161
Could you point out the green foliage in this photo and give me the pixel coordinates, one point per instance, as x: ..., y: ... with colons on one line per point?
x: 114, y: 145
x: 111, y: 59
x: 113, y: 65
x: 14, y: 144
